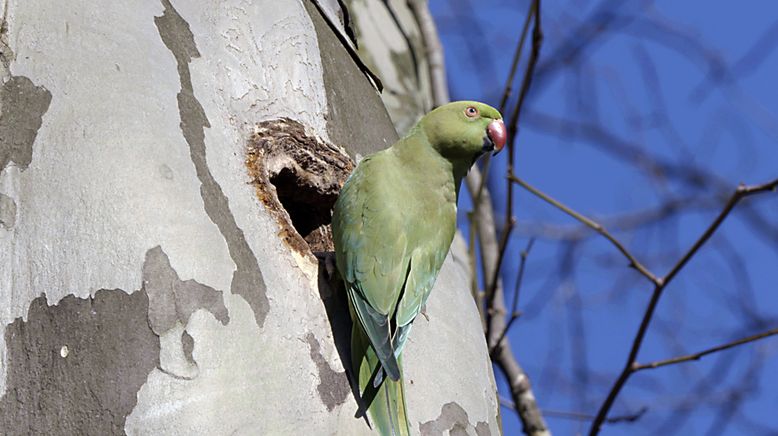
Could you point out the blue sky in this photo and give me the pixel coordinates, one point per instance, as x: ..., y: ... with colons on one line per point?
x: 692, y: 84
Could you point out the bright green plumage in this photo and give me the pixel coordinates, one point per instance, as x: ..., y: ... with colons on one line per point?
x: 392, y: 226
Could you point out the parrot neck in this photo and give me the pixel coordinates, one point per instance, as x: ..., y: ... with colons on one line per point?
x: 422, y: 159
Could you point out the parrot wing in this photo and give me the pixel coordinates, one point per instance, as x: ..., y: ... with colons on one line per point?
x: 373, y: 254
x: 425, y: 265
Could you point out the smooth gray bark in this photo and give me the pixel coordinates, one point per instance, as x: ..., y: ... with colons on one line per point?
x: 144, y: 286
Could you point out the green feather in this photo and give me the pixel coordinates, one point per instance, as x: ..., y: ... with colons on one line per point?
x: 386, y: 402
x: 392, y: 227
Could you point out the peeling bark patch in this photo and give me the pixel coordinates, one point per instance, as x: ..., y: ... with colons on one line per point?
x: 297, y: 177
x: 6, y: 54
x: 22, y: 105
x: 247, y: 280
x: 356, y: 118
x: 337, y: 28
x: 453, y: 420
x: 7, y: 212
x: 347, y: 25
x: 188, y: 343
x: 76, y: 367
x: 333, y: 386
x: 172, y: 300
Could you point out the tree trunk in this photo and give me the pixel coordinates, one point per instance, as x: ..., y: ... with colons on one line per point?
x: 166, y: 174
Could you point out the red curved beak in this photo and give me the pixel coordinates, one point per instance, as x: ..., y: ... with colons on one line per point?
x: 498, y: 135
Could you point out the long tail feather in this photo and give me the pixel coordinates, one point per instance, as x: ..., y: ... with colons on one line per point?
x: 384, y: 401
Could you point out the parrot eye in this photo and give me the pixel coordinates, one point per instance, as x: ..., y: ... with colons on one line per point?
x: 471, y: 112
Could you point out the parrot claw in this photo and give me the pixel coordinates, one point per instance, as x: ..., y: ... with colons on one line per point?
x: 327, y: 259
x: 423, y: 312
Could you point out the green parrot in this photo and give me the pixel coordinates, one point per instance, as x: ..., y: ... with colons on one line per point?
x: 392, y: 227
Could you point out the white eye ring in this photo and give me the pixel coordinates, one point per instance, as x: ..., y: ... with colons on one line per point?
x: 471, y: 112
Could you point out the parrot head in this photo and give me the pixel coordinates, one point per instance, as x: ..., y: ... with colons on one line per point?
x: 464, y: 130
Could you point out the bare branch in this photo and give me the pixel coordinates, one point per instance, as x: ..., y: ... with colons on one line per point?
x: 516, y: 57
x: 508, y: 90
x: 578, y: 416
x: 634, y: 153
x: 741, y: 192
x: 513, y: 129
x: 437, y: 63
x: 634, y: 263
x: 521, y: 391
x: 482, y: 223
x: 531, y: 418
x: 515, y: 314
x: 632, y: 417
x: 624, y: 221
x: 697, y: 356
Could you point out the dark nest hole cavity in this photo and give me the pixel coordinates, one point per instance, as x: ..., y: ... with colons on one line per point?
x: 309, y: 209
x: 298, y: 177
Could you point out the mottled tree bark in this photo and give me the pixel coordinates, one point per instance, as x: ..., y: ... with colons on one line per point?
x: 159, y: 272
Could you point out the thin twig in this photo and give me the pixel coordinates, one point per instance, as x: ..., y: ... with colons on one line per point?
x: 632, y: 417
x: 507, y: 93
x: 483, y: 223
x: 516, y: 57
x: 531, y: 417
x: 434, y: 51
x: 634, y: 153
x: 599, y: 228
x: 578, y: 416
x: 515, y: 314
x: 513, y: 129
x: 521, y: 391
x: 520, y: 275
x: 625, y: 221
x: 478, y: 198
x: 741, y: 192
x: 697, y: 356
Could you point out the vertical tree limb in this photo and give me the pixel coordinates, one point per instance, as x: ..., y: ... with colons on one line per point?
x: 521, y: 391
